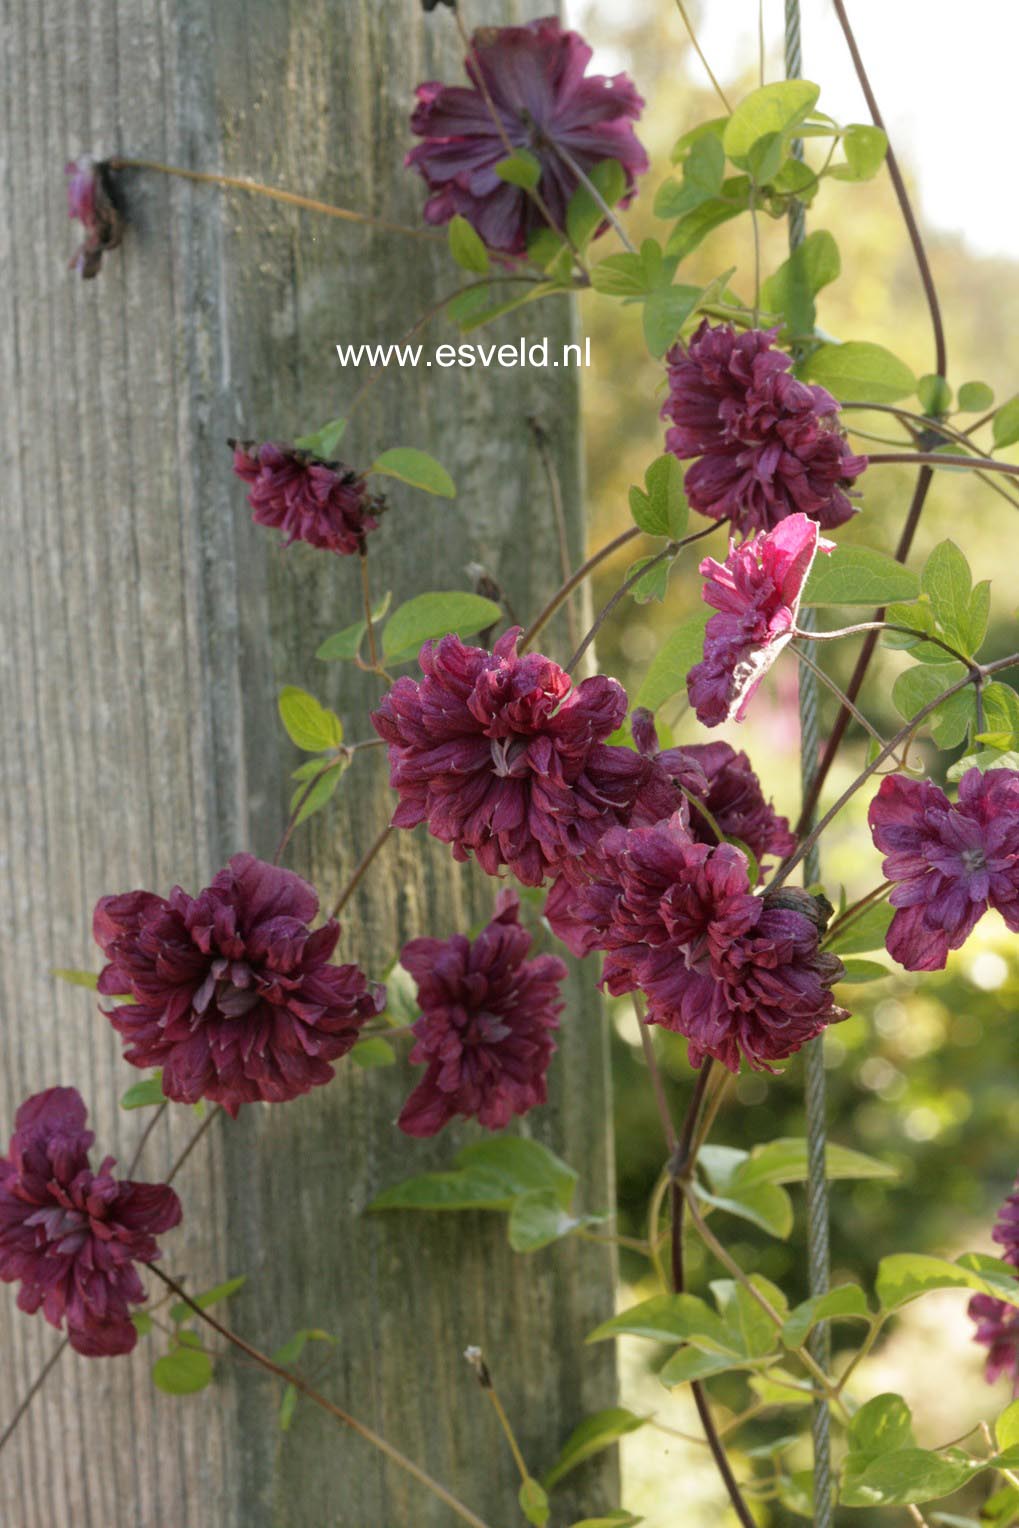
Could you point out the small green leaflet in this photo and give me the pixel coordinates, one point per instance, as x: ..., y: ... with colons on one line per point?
x: 859, y: 372
x: 142, y: 1095
x: 858, y: 575
x: 682, y: 648
x: 433, y: 615
x: 595, y: 1433
x: 183, y: 1372
x: 183, y: 1312
x: 520, y: 169
x: 309, y: 724
x: 466, y: 247
x: 793, y: 287
x: 87, y: 979
x: 323, y: 442
x: 771, y: 110
x: 534, y: 1503
x: 416, y: 468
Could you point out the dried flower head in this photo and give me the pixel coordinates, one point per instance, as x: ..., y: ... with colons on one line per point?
x: 322, y: 503
x: 92, y: 200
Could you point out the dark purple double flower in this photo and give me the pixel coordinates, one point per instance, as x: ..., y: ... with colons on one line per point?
x: 997, y: 1321
x: 324, y: 504
x: 528, y: 90
x: 71, y: 1236
x: 232, y: 994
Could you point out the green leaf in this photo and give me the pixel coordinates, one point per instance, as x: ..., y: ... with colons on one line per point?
x: 665, y: 1318
x: 765, y: 1205
x: 906, y: 1477
x: 416, y: 468
x: 490, y: 1175
x: 882, y: 1425
x: 1005, y: 424
x: 534, y: 1503
x: 694, y: 228
x: 478, y: 316
x: 1006, y: 1428
x: 690, y: 1364
x: 858, y: 575
x: 428, y: 616
x: 859, y: 371
x: 183, y: 1312
x: 346, y: 644
x: 323, y: 442
x: 772, y: 109
x: 906, y: 1275
x: 322, y: 791
x: 655, y: 582
x: 593, y: 1435
x: 917, y: 687
x: 946, y: 580
x: 584, y: 215
x: 143, y: 1094
x: 791, y: 1392
x: 183, y: 1372
x: 665, y: 313
x: 620, y: 276
x: 287, y: 1408
x: 934, y: 394
x: 988, y: 758
x: 618, y: 1519
x: 292, y: 1349
x: 537, y: 1218
x: 373, y: 1052
x: 864, y: 147
x: 866, y: 931
x: 520, y: 169
x: 846, y: 1300
x: 662, y: 510
x: 87, y: 979
x: 308, y: 723
x: 785, y: 1161
x: 793, y: 287
x: 1001, y: 715
x: 751, y: 1333
x: 682, y: 648
x: 142, y: 1322
x: 856, y: 972
x: 466, y: 247
x: 975, y: 397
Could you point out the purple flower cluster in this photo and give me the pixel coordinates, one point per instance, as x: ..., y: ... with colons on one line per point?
x: 756, y: 592
x: 231, y: 993
x: 950, y: 863
x: 767, y: 444
x: 503, y: 757
x: 322, y: 503
x: 91, y: 200
x: 71, y: 1236
x: 485, y: 1032
x: 529, y: 91
x: 998, y: 1321
x: 736, y: 973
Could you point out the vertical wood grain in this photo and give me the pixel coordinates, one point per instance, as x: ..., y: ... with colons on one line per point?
x: 147, y: 628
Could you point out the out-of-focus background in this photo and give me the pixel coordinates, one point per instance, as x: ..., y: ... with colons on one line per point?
x: 923, y: 1076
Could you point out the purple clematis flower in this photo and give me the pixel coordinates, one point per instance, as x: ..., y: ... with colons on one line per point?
x: 757, y: 594
x: 533, y: 77
x: 485, y: 1032
x: 308, y: 499
x: 502, y: 756
x: 997, y: 1321
x: 232, y: 994
x: 767, y: 444
x: 950, y: 862
x: 71, y: 1236
x: 91, y: 200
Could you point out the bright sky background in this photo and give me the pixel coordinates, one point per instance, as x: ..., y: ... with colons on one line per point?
x: 944, y: 73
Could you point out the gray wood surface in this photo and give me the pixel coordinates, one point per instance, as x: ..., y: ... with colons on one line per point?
x: 147, y: 627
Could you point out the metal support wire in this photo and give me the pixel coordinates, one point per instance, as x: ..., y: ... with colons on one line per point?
x: 818, y: 1254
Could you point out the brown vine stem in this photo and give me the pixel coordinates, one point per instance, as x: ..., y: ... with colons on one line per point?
x: 359, y: 872
x: 672, y: 550
x: 939, y: 459
x: 275, y: 193
x: 925, y: 476
x: 559, y: 515
x: 288, y: 831
x: 681, y: 8
x: 681, y: 1164
x: 567, y: 588
x: 299, y: 1383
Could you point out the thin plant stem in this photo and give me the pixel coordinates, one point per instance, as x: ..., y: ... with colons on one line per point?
x: 359, y: 872
x: 655, y: 1073
x: 982, y: 672
x: 906, y: 631
x: 290, y: 1377
x: 826, y: 680
x: 902, y: 196
x: 939, y: 459
x: 212, y: 1115
x: 559, y: 515
x: 596, y: 196
x: 309, y: 204
x: 681, y: 8
x: 145, y: 1136
x: 567, y: 588
x: 366, y: 597
x: 849, y: 917
x: 288, y: 831
x: 672, y: 550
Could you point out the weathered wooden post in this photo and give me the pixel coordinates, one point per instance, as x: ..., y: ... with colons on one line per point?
x: 147, y: 629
